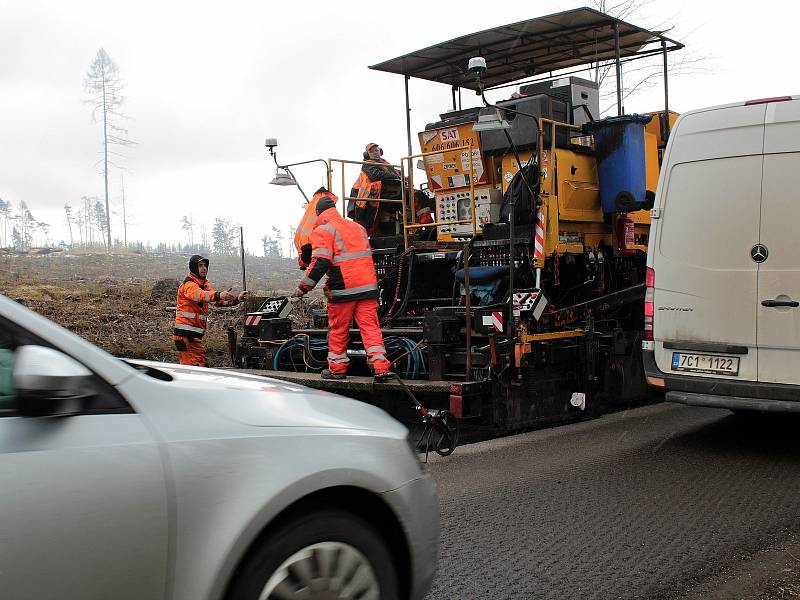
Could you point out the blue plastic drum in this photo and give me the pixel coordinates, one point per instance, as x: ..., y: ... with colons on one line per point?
x: 619, y: 145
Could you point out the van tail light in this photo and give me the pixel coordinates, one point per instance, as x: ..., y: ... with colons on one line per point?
x: 768, y: 100
x: 650, y: 282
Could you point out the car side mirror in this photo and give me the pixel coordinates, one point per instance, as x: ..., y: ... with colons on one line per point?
x: 49, y: 383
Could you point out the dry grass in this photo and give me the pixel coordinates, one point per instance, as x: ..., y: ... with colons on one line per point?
x: 111, y: 302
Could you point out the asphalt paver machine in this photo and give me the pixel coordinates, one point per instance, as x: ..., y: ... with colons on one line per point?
x: 523, y: 302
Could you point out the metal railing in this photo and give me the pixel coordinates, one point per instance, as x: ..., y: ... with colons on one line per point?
x: 345, y: 198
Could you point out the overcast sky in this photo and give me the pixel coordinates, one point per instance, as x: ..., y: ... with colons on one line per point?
x: 207, y: 82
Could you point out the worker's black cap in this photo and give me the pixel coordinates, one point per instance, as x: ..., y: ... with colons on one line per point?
x: 194, y: 262
x: 325, y: 203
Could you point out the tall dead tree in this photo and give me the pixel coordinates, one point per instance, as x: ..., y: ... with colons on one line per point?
x: 70, y: 220
x: 104, y: 87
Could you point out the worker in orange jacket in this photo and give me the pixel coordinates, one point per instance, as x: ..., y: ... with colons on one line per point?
x: 340, y: 249
x: 302, y: 235
x: 375, y: 175
x: 191, y: 311
x: 372, y: 181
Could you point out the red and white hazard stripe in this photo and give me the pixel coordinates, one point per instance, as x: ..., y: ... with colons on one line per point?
x: 538, y: 246
x: 497, y: 321
x: 251, y: 320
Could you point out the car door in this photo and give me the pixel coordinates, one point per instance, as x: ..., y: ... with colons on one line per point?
x: 779, y: 273
x: 83, y: 503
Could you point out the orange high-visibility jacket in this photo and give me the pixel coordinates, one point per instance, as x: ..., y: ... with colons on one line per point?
x: 191, y: 306
x: 370, y: 180
x: 365, y: 189
x: 302, y: 236
x: 340, y: 249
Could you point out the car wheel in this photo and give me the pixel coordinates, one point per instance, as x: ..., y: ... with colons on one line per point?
x: 325, y: 555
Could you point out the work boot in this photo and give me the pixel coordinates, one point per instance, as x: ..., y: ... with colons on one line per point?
x: 383, y: 377
x: 328, y: 374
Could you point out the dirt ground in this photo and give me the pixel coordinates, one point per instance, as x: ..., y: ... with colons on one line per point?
x: 125, y: 303
x: 772, y: 574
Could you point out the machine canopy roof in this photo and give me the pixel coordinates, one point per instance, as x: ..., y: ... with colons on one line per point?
x: 569, y: 39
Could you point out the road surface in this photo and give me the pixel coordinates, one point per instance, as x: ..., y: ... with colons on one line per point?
x: 664, y: 501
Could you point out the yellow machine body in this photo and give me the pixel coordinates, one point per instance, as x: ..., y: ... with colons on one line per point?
x: 574, y: 216
x: 449, y: 167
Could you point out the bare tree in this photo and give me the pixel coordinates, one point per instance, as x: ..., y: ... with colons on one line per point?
x: 101, y: 220
x: 26, y: 223
x: 88, y: 220
x: 268, y: 245
x: 277, y: 234
x: 80, y: 222
x: 70, y: 220
x: 187, y: 224
x: 104, y: 87
x: 644, y: 73
x: 5, y: 212
x: 204, y: 245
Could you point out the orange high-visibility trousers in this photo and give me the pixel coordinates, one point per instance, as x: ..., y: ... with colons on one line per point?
x: 365, y: 312
x: 191, y: 351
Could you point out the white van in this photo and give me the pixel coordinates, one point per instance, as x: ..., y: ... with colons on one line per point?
x: 722, y: 310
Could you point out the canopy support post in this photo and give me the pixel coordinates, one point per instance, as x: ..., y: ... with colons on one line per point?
x: 665, y: 124
x: 620, y: 108
x: 408, y: 118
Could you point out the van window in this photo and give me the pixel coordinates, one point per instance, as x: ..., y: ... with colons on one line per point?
x: 711, y: 213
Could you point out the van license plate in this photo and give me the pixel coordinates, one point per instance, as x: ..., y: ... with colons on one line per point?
x: 705, y: 363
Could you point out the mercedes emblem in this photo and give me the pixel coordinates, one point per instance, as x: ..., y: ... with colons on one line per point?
x: 759, y: 253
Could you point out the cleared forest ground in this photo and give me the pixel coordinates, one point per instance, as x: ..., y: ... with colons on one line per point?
x: 122, y: 302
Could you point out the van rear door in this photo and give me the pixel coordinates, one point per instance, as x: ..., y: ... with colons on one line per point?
x: 705, y: 280
x: 779, y: 273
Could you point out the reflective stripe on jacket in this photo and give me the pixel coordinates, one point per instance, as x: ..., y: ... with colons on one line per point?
x: 191, y: 306
x: 340, y: 249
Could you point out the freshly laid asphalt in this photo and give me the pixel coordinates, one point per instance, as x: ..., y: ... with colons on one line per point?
x: 656, y: 502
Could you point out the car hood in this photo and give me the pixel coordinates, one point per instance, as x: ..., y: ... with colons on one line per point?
x: 267, y: 402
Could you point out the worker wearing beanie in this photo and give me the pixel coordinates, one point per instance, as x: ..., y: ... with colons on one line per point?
x: 340, y: 249
x: 302, y: 235
x: 191, y: 311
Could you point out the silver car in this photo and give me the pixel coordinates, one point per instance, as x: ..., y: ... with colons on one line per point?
x: 145, y: 480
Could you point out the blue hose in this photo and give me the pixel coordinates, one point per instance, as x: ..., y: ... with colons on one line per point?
x: 415, y: 358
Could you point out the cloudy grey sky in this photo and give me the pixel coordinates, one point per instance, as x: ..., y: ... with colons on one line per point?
x: 207, y: 82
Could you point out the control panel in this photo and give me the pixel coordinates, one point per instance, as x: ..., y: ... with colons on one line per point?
x: 275, y: 307
x: 456, y: 206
